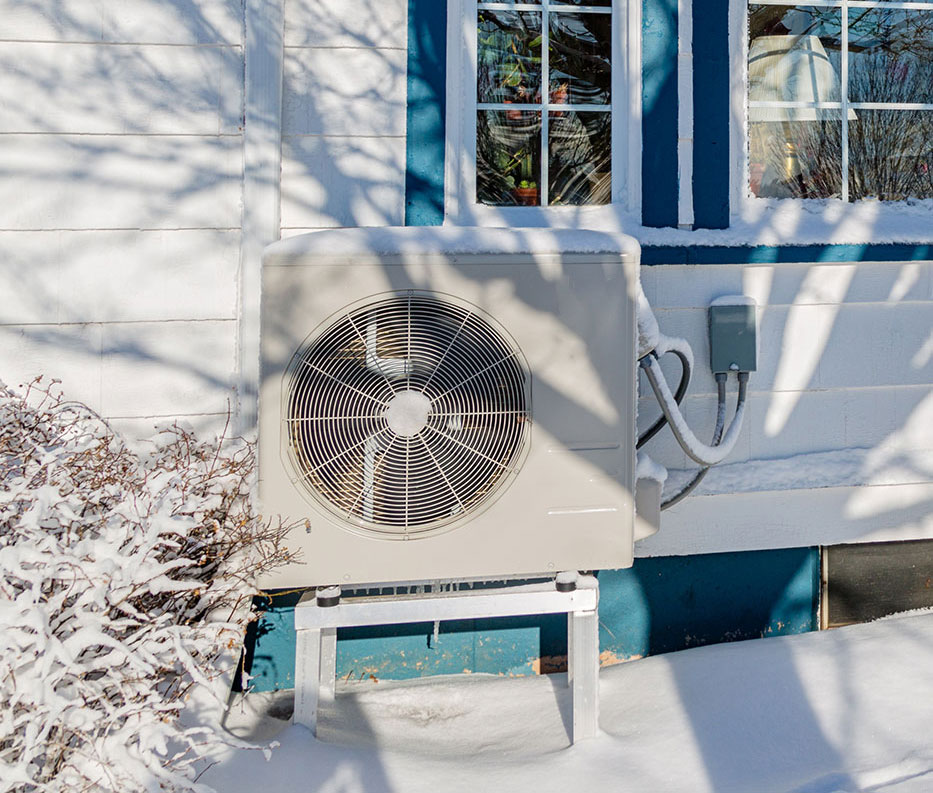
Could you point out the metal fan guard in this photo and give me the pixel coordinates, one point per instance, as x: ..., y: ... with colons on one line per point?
x: 407, y: 413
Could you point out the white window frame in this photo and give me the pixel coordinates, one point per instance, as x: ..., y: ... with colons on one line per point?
x: 847, y: 220
x: 460, y: 205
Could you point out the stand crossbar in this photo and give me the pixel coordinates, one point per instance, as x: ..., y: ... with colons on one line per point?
x: 316, y: 627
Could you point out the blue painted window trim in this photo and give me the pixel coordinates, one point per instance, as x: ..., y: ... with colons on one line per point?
x: 426, y: 112
x: 772, y: 254
x: 659, y: 158
x: 711, y: 114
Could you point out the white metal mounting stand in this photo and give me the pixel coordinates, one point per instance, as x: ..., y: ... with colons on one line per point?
x: 316, y: 626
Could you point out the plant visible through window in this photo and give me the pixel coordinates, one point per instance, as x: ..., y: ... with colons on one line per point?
x: 543, y: 120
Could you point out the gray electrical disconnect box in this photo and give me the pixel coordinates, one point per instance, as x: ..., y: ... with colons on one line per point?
x: 733, y: 343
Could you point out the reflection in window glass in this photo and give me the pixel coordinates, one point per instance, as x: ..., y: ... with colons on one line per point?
x: 579, y: 58
x: 795, y: 159
x: 890, y: 55
x: 508, y: 157
x: 518, y: 52
x: 808, y: 117
x: 508, y: 61
x: 891, y: 155
x: 793, y: 56
x: 579, y: 158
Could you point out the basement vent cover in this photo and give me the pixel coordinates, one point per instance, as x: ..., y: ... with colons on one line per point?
x: 407, y: 413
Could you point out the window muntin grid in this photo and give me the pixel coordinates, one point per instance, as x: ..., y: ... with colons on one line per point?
x: 840, y: 99
x: 536, y: 150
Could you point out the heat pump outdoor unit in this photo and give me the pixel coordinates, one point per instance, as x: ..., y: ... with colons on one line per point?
x: 448, y: 403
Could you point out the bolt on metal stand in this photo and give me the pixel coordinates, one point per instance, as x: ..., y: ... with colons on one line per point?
x: 316, y: 625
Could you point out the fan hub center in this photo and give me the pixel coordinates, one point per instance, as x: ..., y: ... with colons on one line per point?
x: 407, y: 413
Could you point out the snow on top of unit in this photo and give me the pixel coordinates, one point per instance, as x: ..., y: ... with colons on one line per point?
x: 450, y: 241
x: 734, y: 300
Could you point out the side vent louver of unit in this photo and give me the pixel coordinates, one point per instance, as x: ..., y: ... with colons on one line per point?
x: 406, y: 413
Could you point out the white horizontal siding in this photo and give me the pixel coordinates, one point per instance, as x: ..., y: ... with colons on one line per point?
x: 128, y: 369
x: 167, y: 368
x: 346, y: 23
x: 368, y: 98
x: 691, y: 286
x: 71, y: 354
x: 138, y: 432
x: 120, y: 206
x: 125, y: 88
x: 344, y: 106
x: 844, y: 364
x: 139, y: 21
x: 109, y: 276
x: 337, y: 181
x: 119, y: 181
x: 793, y: 519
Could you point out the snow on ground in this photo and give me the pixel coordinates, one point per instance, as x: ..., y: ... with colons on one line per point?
x: 831, y: 712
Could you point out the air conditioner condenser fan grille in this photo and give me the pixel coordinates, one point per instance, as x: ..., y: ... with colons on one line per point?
x: 407, y: 413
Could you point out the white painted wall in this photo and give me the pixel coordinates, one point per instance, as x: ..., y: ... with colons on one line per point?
x: 121, y: 154
x: 343, y: 127
x: 843, y: 388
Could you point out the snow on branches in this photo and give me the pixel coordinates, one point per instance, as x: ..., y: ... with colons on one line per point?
x: 124, y: 580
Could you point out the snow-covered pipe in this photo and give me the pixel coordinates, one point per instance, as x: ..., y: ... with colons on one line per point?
x: 693, y: 446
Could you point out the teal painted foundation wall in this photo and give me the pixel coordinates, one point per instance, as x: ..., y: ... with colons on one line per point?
x: 660, y: 605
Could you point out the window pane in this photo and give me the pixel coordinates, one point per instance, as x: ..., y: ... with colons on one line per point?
x: 890, y: 55
x: 891, y: 155
x: 508, y: 157
x: 579, y: 158
x: 793, y: 56
x: 795, y: 159
x: 601, y: 3
x: 508, y: 56
x: 580, y: 53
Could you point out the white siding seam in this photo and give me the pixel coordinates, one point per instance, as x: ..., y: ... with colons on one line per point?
x: 289, y: 47
x: 90, y: 322
x: 169, y: 416
x: 108, y: 229
x: 818, y: 488
x: 704, y: 395
x: 331, y: 135
x: 99, y: 43
x: 54, y: 134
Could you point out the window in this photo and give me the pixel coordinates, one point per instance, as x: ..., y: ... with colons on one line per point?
x: 544, y: 108
x: 840, y: 100
x: 544, y: 101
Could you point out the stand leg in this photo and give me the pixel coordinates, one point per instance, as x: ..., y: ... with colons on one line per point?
x: 307, y: 677
x: 584, y: 661
x: 570, y: 632
x: 328, y: 663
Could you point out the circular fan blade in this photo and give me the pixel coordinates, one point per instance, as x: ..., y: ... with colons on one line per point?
x: 407, y: 413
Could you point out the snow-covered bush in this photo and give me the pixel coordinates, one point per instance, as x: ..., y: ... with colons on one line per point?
x: 124, y: 580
